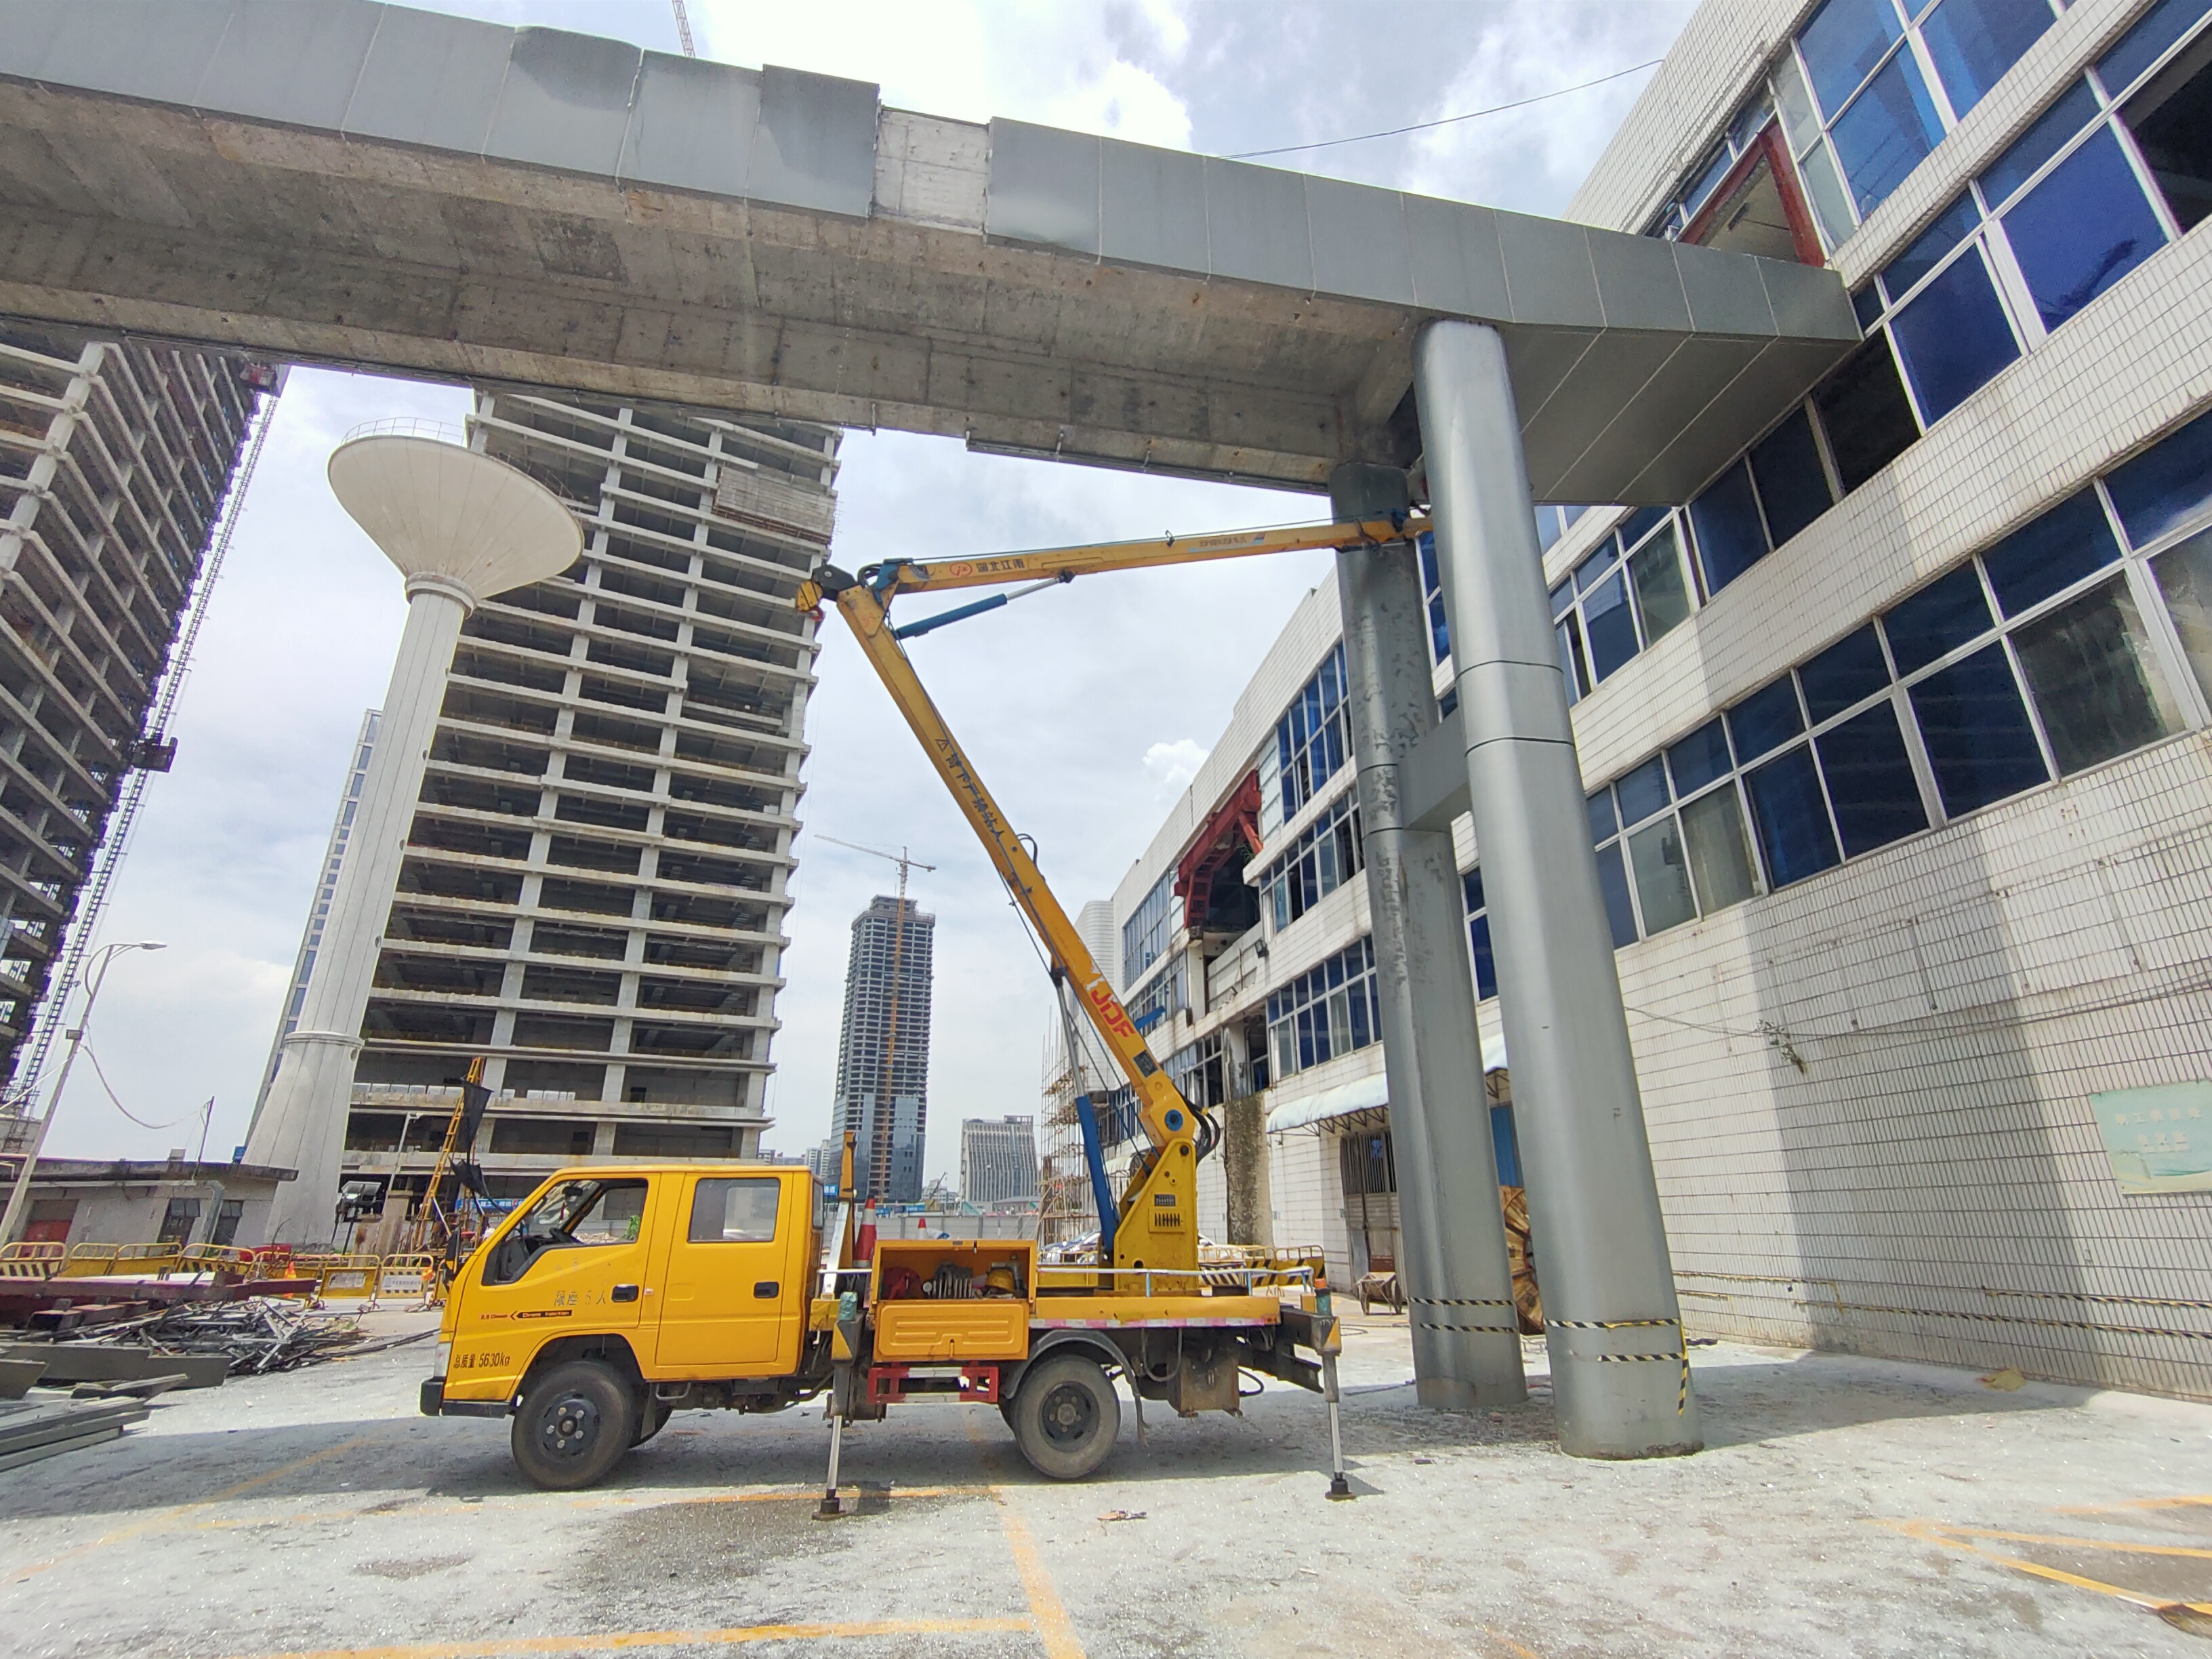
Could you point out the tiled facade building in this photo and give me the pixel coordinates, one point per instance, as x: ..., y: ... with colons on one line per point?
x: 997, y: 1160
x: 1898, y: 735
x: 595, y: 889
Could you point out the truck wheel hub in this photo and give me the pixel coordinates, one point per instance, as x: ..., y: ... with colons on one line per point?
x: 1068, y: 1414
x: 570, y: 1426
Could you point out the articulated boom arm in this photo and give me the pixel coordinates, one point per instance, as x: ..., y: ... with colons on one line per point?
x: 1162, y: 1109
x: 1157, y: 1227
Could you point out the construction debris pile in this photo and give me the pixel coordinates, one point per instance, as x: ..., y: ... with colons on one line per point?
x: 257, y: 1336
x: 30, y: 1430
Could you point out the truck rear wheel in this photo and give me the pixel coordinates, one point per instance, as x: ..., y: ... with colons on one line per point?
x: 576, y: 1422
x: 1066, y: 1416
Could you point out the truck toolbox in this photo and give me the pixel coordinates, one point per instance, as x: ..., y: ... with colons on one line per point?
x: 906, y: 1332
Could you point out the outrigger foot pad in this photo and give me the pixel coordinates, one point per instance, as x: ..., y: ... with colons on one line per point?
x: 830, y: 1509
x: 1339, y: 1490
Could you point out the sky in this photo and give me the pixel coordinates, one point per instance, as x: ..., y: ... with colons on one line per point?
x: 1086, y: 709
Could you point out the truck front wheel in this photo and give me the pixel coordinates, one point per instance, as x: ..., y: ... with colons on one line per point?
x: 576, y: 1423
x: 1066, y: 1416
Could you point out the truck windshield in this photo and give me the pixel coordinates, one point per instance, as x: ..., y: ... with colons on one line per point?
x: 571, y: 1214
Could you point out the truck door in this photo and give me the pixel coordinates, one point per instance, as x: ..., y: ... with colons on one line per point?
x: 732, y: 1288
x: 576, y: 1262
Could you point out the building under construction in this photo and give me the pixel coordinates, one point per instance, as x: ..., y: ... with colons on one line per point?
x: 115, y: 461
x: 593, y: 892
x: 883, y: 1050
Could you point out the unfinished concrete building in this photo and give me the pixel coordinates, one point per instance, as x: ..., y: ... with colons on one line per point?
x: 594, y: 887
x: 114, y: 461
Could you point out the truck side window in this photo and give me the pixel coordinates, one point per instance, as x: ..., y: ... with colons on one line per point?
x: 573, y: 1214
x: 739, y: 1210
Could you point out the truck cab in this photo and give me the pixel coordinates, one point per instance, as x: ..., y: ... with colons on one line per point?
x: 616, y: 1293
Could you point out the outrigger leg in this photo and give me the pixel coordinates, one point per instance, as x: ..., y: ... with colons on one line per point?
x: 1339, y: 1489
x: 830, y: 1509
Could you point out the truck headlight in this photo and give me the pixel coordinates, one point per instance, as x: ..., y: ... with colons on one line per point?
x: 445, y: 1359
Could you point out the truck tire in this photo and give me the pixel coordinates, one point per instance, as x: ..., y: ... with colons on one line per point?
x: 1066, y: 1416
x: 576, y: 1423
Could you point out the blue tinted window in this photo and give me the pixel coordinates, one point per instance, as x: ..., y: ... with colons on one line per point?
x: 1766, y: 719
x: 1954, y: 338
x: 2040, y: 143
x: 1941, y: 616
x: 2054, y: 551
x: 1791, y: 818
x: 1866, y: 305
x: 1485, y: 964
x: 1792, y: 487
x: 1471, y: 887
x: 1506, y: 1145
x: 1611, y: 625
x: 1882, y: 137
x: 2082, y: 228
x: 1592, y: 569
x: 1612, y: 884
x: 1439, y: 633
x: 1842, y: 43
x: 1643, y: 792
x: 1975, y: 726
x: 1641, y: 523
x: 1563, y: 597
x: 2143, y: 44
x: 1572, y: 668
x: 1849, y: 671
x: 2166, y: 485
x: 1600, y: 815
x: 1870, y: 781
x: 1548, y: 528
x: 1974, y: 42
x: 1731, y: 538
x: 1956, y: 223
x: 1699, y: 758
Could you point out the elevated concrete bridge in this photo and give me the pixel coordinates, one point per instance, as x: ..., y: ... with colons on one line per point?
x: 345, y: 182
x: 338, y: 181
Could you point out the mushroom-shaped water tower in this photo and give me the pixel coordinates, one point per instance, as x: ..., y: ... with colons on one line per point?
x: 461, y: 527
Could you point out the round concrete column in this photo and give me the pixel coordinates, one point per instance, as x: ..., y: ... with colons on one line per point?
x: 1620, y: 1375
x: 460, y: 526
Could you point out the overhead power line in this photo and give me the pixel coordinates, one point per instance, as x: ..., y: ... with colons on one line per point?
x: 1448, y: 120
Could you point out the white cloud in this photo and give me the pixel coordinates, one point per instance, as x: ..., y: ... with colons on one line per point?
x: 1173, y: 765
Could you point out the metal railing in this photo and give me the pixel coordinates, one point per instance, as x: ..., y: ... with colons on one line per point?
x: 412, y: 426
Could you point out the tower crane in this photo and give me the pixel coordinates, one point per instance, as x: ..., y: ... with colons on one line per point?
x: 684, y: 28
x: 879, y: 1161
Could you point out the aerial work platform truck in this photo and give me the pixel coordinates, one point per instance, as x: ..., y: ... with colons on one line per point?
x: 618, y: 1294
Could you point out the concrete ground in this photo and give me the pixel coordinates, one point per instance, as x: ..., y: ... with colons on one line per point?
x: 1842, y: 1507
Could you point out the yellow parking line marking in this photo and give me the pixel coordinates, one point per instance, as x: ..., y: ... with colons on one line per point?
x: 2076, y: 1543
x: 613, y: 1641
x: 169, y: 1518
x: 1049, y: 1617
x: 2187, y: 1501
x: 1957, y: 1538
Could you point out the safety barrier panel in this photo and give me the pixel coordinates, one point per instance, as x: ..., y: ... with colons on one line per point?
x: 32, y: 1258
x: 348, y: 1279
x: 158, y: 1257
x: 413, y: 1273
x: 36, y: 1271
x: 87, y: 1261
x: 222, y: 1259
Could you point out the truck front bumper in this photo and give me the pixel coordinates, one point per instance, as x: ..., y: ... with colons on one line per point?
x: 434, y: 1403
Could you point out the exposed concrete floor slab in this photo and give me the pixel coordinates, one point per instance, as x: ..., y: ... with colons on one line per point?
x: 1843, y: 1506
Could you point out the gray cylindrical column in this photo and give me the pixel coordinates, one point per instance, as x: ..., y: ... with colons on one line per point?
x: 302, y: 1125
x: 1618, y: 1374
x: 1452, y: 1258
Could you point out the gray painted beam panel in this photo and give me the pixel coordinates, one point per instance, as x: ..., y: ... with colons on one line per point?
x: 692, y: 125
x: 565, y: 102
x: 429, y: 80
x: 284, y: 60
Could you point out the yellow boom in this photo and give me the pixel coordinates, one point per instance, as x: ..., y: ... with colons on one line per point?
x: 1157, y: 1223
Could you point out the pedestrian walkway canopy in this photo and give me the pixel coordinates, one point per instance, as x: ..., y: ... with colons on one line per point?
x: 341, y: 181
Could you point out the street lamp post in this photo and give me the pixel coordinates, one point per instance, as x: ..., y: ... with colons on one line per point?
x: 96, y: 974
